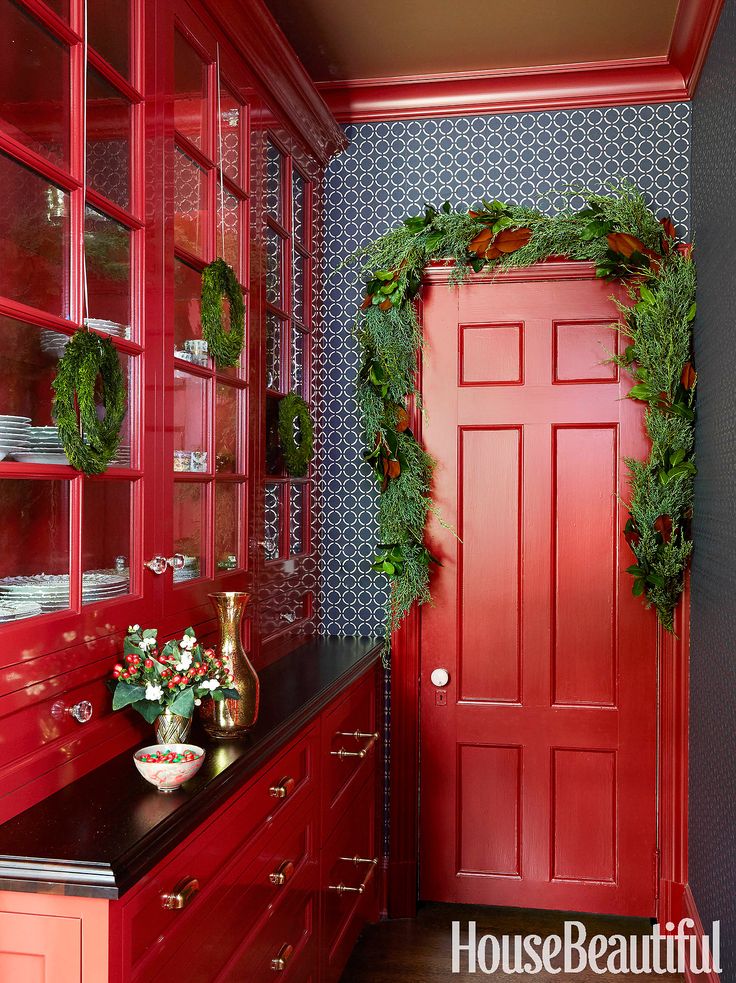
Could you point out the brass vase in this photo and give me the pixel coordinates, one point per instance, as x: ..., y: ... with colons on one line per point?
x: 228, y: 719
x: 171, y: 728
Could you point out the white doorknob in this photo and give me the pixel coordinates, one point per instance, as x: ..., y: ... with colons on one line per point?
x: 440, y: 678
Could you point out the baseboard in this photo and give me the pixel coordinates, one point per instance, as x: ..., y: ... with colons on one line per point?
x: 691, y: 911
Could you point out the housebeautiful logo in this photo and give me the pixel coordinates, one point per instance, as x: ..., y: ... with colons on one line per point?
x: 574, y: 952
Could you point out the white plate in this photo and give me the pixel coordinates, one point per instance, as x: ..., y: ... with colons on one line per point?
x: 14, y: 445
x: 14, y: 419
x: 40, y: 458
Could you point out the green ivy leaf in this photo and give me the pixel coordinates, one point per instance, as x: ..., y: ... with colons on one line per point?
x: 183, y: 703
x: 149, y: 710
x: 126, y: 693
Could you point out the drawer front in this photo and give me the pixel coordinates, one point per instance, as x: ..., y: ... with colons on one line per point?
x: 349, y: 879
x: 278, y: 791
x: 350, y: 746
x: 241, y: 898
x: 283, y: 945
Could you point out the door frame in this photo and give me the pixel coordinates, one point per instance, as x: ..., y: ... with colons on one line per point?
x: 673, y: 654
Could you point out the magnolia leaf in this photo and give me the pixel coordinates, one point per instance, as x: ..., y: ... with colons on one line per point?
x: 509, y: 240
x: 126, y: 693
x: 637, y: 588
x: 625, y: 244
x: 183, y: 703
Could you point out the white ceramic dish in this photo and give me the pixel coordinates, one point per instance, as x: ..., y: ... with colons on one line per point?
x: 31, y: 458
x: 168, y: 777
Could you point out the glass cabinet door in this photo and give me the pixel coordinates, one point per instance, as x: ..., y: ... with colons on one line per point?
x: 206, y: 440
x: 72, y: 547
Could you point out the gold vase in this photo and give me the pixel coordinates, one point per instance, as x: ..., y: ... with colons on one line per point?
x: 227, y: 719
x: 171, y: 728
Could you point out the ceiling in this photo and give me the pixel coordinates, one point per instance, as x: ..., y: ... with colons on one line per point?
x: 345, y: 39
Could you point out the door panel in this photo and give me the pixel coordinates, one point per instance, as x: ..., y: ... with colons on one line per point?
x: 538, y: 759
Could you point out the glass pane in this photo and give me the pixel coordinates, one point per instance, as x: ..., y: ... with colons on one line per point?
x: 34, y: 548
x: 190, y: 86
x: 272, y: 507
x: 299, y: 270
x: 298, y: 351
x: 190, y: 203
x: 188, y: 341
x: 274, y: 253
x: 227, y: 417
x: 108, y: 26
x: 274, y: 167
x: 231, y: 112
x: 273, y: 351
x: 297, y: 518
x: 190, y: 502
x: 228, y: 238
x: 61, y: 7
x: 34, y: 239
x: 108, y: 140
x: 30, y: 355
x: 106, y: 540
x: 190, y: 422
x: 227, y: 525
x: 107, y: 248
x: 123, y: 458
x: 298, y: 205
x: 34, y: 85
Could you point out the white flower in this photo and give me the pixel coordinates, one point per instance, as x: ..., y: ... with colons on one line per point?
x: 187, y: 643
x: 198, y: 703
x: 211, y: 684
x: 153, y: 692
x: 185, y: 662
x: 133, y: 628
x: 147, y: 643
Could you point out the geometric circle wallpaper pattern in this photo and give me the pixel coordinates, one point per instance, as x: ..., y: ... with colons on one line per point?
x: 387, y: 172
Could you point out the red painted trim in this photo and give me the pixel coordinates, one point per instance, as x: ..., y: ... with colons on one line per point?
x: 551, y: 269
x: 522, y: 90
x: 695, y: 25
x: 691, y: 911
x: 674, y: 657
x: 670, y: 78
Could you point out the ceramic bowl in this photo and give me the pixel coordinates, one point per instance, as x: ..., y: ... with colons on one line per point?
x: 167, y: 776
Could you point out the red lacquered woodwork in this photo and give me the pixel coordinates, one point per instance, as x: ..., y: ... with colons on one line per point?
x: 153, y: 106
x: 538, y: 775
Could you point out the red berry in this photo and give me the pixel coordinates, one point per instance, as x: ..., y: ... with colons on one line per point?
x: 130, y: 659
x: 149, y: 663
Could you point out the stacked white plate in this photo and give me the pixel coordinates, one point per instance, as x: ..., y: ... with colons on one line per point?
x: 15, y: 435
x: 12, y: 610
x: 190, y: 570
x: 122, y: 456
x: 45, y: 447
x: 54, y: 343
x: 109, y: 327
x: 50, y: 592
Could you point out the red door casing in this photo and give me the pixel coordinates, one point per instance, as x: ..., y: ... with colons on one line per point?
x: 538, y: 757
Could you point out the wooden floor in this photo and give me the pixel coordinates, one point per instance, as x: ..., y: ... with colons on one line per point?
x: 419, y: 950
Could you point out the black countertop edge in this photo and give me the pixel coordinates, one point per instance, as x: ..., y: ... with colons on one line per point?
x: 330, y: 664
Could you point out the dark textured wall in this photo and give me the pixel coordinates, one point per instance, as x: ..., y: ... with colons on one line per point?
x: 388, y: 171
x: 712, y: 853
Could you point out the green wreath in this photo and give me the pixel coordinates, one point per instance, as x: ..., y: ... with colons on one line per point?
x: 295, y: 419
x: 87, y: 357
x: 218, y: 281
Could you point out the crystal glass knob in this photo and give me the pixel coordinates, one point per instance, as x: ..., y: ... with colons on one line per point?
x: 82, y: 712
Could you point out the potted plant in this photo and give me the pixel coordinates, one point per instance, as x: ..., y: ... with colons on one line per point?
x: 165, y: 685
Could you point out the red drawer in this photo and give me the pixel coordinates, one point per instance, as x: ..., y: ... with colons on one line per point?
x: 224, y: 842
x: 349, y: 880
x: 350, y: 747
x: 286, y: 938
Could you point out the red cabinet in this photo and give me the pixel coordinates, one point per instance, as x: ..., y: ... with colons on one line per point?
x: 200, y: 136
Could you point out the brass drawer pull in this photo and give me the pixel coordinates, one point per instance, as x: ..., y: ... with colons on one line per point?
x: 360, y: 889
x: 181, y: 895
x: 358, y: 735
x: 283, y: 875
x: 279, y: 964
x: 284, y: 788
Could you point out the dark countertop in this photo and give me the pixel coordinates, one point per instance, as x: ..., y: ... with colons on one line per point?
x: 103, y: 832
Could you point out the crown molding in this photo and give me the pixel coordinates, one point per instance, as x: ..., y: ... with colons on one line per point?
x: 670, y: 78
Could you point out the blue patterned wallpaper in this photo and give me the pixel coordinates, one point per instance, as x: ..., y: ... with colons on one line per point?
x: 390, y: 170
x: 712, y: 848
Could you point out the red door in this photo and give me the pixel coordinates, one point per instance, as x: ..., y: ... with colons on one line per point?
x: 538, y: 756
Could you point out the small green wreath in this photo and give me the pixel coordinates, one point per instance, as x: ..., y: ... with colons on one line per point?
x: 296, y: 434
x: 87, y: 357
x: 218, y: 281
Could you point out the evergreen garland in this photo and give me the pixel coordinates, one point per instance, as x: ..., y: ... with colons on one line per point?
x: 296, y: 434
x: 87, y: 357
x: 620, y: 234
x: 219, y: 281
